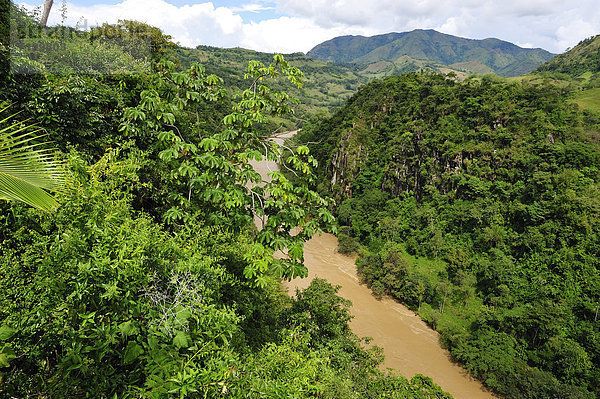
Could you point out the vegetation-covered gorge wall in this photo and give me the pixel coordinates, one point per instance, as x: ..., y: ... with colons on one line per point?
x: 477, y: 204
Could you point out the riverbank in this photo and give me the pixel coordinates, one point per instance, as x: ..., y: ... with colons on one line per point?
x: 409, y: 345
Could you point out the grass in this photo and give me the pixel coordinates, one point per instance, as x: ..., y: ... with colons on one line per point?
x: 539, y: 79
x: 588, y: 100
x: 585, y: 77
x: 458, y: 311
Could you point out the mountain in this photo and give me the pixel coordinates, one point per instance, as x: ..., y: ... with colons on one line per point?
x: 581, y: 62
x: 503, y: 58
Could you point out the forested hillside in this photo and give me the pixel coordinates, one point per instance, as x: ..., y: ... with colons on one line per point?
x: 477, y: 203
x: 503, y: 58
x: 130, y: 265
x: 326, y: 86
x: 581, y: 66
x: 149, y: 278
x: 582, y: 62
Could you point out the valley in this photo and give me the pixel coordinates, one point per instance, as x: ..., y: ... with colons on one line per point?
x: 436, y: 193
x: 410, y: 346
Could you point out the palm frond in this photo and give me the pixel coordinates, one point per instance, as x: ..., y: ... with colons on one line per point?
x: 27, y: 168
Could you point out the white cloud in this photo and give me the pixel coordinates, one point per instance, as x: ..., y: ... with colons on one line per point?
x: 550, y: 24
x: 191, y: 25
x: 302, y: 24
x: 455, y: 26
x: 573, y: 32
x: 292, y: 34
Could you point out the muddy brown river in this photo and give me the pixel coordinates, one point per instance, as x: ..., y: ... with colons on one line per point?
x: 409, y: 345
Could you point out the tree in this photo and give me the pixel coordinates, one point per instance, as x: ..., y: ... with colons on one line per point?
x: 211, y: 172
x: 46, y: 13
x: 26, y: 168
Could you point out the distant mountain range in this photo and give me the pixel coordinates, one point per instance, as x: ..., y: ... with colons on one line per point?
x: 413, y: 50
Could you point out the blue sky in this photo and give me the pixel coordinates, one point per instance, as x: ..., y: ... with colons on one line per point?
x: 298, y: 25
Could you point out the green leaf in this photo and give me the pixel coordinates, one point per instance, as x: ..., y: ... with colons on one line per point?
x: 127, y: 328
x: 277, y: 268
x: 249, y: 271
x: 6, y: 354
x: 188, y: 169
x: 302, y: 150
x: 174, y: 213
x: 169, y: 118
x: 298, y: 270
x: 167, y: 136
x: 168, y: 155
x: 209, y: 144
x: 183, y: 316
x: 261, y: 280
x: 26, y: 169
x: 181, y: 340
x: 6, y: 332
x: 296, y: 250
x: 153, y: 343
x: 132, y: 352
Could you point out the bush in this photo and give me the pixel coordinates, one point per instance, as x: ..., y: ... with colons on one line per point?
x: 347, y: 245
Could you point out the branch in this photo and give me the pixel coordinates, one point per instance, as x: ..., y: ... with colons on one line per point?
x: 178, y: 132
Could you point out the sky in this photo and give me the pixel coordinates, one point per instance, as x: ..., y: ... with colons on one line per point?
x: 298, y: 25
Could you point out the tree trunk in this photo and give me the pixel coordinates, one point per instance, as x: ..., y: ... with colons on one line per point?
x: 46, y: 13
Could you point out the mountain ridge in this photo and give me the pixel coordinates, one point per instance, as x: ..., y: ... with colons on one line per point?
x: 504, y: 58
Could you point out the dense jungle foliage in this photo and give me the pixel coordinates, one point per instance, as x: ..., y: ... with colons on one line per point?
x: 477, y: 204
x: 150, y: 279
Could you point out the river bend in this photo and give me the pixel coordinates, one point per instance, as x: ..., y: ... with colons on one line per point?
x: 409, y: 345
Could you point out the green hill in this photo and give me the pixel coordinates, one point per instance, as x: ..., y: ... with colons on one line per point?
x: 503, y: 58
x: 405, y: 64
x: 582, y: 62
x: 326, y: 87
x: 580, y: 66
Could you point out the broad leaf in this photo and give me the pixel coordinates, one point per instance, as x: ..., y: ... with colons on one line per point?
x: 132, y: 352
x: 6, y: 332
x: 181, y: 340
